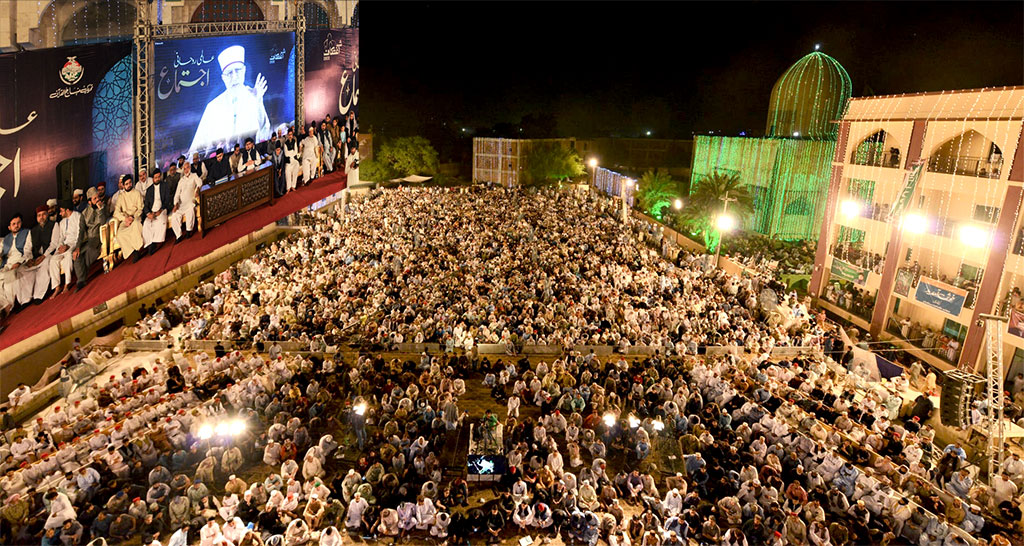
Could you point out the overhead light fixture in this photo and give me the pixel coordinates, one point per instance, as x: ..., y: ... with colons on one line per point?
x: 850, y: 208
x: 915, y: 223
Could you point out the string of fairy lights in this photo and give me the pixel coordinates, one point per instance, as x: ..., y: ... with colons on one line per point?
x: 949, y: 227
x: 788, y: 171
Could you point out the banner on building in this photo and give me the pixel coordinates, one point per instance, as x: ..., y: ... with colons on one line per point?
x: 946, y: 298
x: 65, y: 123
x: 904, y: 280
x: 909, y: 185
x: 1016, y: 327
x: 332, y: 73
x: 850, y: 272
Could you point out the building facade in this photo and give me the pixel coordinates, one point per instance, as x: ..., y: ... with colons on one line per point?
x: 922, y: 231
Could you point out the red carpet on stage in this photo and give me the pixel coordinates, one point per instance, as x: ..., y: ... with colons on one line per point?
x: 128, y: 275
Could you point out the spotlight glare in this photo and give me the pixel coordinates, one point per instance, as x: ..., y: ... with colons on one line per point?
x: 677, y: 204
x: 205, y: 432
x: 974, y: 236
x: 725, y: 222
x: 915, y: 223
x: 850, y: 208
x: 633, y: 421
x: 609, y: 419
x: 360, y: 408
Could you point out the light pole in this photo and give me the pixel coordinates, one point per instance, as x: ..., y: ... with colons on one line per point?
x: 724, y: 223
x: 622, y: 195
x: 593, y: 170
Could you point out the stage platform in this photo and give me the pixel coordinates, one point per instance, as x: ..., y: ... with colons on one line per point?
x: 39, y: 332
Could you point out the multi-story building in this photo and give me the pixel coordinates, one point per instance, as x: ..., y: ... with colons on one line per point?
x: 922, y: 231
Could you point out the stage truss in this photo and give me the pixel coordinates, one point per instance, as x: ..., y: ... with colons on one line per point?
x: 146, y: 33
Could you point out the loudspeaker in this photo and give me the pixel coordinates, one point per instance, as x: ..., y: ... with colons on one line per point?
x: 958, y: 392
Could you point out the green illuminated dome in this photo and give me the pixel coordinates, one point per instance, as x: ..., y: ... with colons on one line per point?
x: 808, y: 97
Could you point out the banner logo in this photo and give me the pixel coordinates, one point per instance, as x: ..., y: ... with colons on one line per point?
x: 72, y: 71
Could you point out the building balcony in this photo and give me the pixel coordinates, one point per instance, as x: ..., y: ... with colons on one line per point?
x: 927, y: 339
x: 876, y: 157
x: 967, y: 166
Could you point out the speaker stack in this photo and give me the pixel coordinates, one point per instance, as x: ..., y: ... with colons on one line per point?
x: 958, y: 392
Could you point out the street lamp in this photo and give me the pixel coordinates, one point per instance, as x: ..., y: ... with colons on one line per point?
x: 592, y: 162
x: 622, y: 195
x: 677, y: 204
x: 724, y: 223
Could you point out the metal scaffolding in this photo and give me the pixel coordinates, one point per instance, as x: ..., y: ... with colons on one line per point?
x: 143, y: 39
x: 146, y: 33
x: 996, y: 402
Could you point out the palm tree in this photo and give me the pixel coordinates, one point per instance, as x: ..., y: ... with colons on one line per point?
x: 706, y: 202
x: 656, y: 191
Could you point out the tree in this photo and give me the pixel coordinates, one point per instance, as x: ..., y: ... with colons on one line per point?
x: 656, y: 191
x: 705, y: 204
x: 407, y: 156
x: 374, y: 170
x: 547, y: 164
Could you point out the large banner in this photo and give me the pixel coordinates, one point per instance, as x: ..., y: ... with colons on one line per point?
x: 215, y: 92
x: 332, y: 73
x: 907, y: 192
x: 946, y: 298
x: 58, y: 104
x: 850, y: 272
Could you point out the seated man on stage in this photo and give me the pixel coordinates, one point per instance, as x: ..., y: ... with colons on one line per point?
x: 87, y: 250
x: 45, y: 239
x: 220, y: 167
x: 185, y: 202
x: 250, y: 159
x: 309, y: 149
x: 128, y: 213
x: 156, y: 206
x: 61, y: 263
x: 15, y: 252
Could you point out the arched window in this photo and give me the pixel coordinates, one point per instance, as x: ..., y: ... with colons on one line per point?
x: 99, y: 21
x: 970, y: 153
x: 317, y: 17
x: 215, y: 11
x: 877, y: 150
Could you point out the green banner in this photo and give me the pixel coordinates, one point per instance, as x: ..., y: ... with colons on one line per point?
x: 850, y: 272
x: 909, y: 185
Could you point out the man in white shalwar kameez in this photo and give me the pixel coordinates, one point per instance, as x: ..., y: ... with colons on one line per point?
x: 128, y: 214
x: 356, y: 507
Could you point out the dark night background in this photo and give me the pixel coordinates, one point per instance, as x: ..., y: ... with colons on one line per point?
x: 592, y: 69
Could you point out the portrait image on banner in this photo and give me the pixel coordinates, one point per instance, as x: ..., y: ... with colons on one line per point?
x: 216, y: 92
x: 65, y: 123
x: 1016, y: 326
x: 904, y: 280
x: 332, y: 73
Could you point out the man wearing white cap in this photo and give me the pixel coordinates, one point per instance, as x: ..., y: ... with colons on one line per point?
x: 78, y: 198
x: 185, y: 201
x: 238, y: 111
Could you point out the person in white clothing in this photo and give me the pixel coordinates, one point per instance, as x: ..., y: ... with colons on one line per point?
x: 40, y: 264
x: 292, y: 167
x: 156, y: 203
x: 62, y: 260
x: 309, y: 149
x: 16, y: 250
x: 184, y: 209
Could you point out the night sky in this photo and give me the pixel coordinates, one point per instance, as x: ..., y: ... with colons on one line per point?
x: 621, y: 68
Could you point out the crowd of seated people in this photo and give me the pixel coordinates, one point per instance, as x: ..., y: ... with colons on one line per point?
x: 798, y: 450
